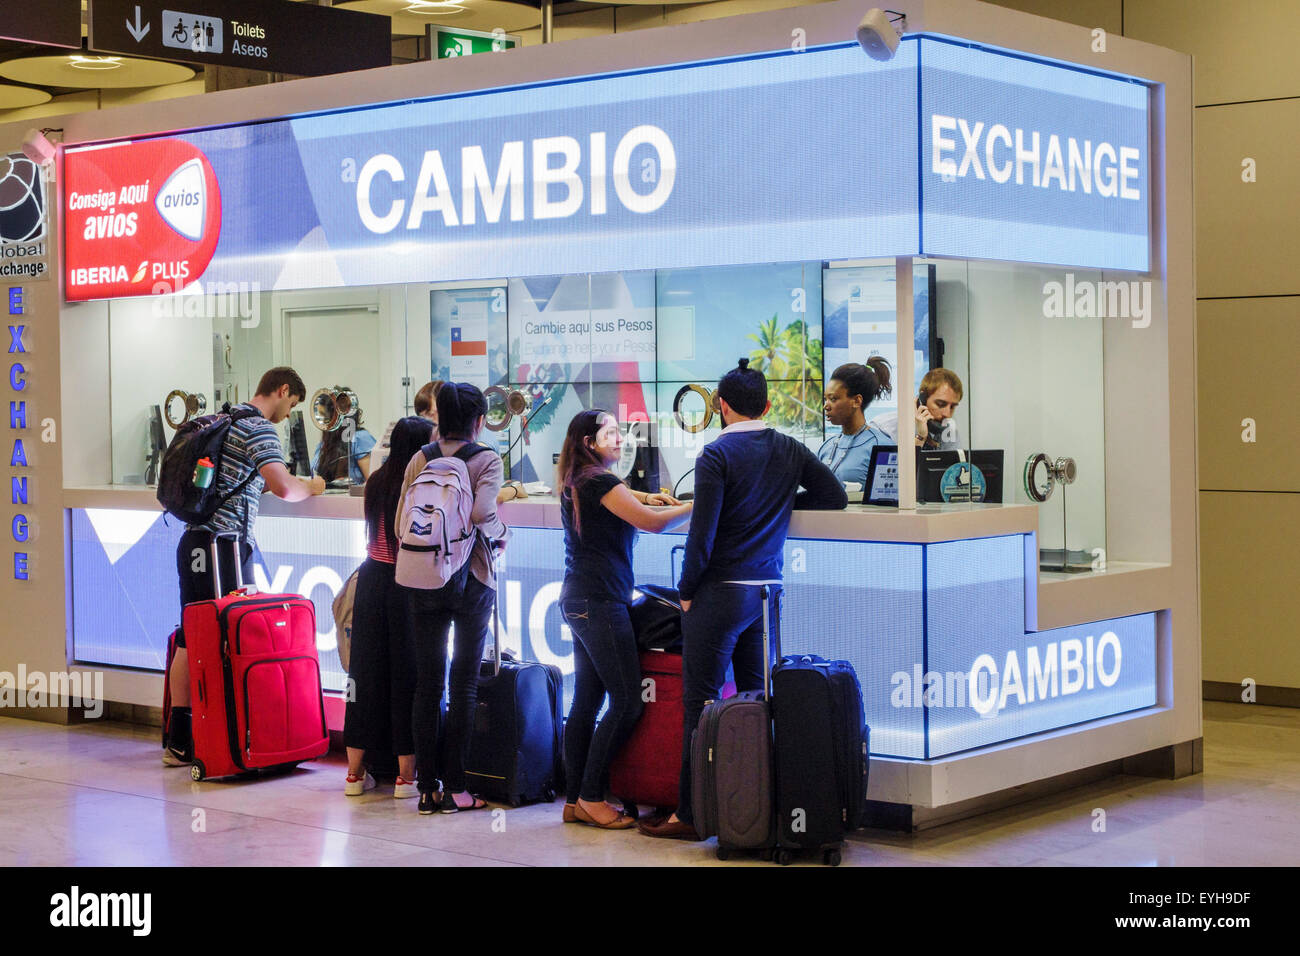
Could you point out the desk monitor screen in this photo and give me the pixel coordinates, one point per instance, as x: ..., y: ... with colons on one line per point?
x: 939, y: 480
x: 882, y: 476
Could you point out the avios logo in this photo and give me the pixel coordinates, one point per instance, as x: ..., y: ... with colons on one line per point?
x: 140, y: 218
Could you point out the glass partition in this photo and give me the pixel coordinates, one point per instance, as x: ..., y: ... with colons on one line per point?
x: 1034, y: 393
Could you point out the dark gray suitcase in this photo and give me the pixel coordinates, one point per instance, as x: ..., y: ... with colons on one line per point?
x: 732, y: 768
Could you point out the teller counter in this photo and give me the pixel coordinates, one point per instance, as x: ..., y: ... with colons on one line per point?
x: 939, y: 610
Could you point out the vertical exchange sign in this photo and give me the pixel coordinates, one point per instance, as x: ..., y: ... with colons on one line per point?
x: 19, y: 526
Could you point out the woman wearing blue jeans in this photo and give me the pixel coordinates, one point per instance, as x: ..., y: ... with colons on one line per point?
x: 601, y: 517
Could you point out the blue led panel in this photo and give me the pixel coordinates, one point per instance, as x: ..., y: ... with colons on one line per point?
x: 1030, y: 161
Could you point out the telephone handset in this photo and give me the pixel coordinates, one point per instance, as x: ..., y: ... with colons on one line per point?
x: 935, y: 427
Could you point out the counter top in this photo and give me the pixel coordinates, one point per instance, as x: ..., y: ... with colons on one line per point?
x: 927, y: 524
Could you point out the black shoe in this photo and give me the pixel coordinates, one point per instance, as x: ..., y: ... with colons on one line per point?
x: 428, y: 803
x: 179, y: 749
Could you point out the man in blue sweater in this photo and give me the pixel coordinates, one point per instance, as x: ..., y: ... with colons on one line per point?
x: 747, y: 482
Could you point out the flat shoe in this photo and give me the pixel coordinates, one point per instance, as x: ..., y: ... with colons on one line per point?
x: 675, y: 830
x: 620, y: 822
x: 449, y: 805
x: 570, y: 813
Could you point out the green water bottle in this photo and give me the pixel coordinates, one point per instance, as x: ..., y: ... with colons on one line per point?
x: 203, y: 472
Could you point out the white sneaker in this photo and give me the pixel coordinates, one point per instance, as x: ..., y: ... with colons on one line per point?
x: 405, y: 788
x: 357, y: 785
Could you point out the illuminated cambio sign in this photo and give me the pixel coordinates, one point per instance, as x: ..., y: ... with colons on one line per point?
x: 725, y: 162
x: 433, y: 192
x: 1058, y: 670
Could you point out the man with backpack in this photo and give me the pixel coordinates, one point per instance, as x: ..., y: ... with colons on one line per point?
x: 248, y: 461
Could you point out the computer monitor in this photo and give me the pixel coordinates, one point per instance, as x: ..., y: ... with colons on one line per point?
x: 882, y: 477
x: 157, y: 444
x: 939, y: 481
x: 299, y: 456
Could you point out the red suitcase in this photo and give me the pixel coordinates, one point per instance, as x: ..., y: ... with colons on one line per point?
x: 255, y: 686
x: 646, y: 769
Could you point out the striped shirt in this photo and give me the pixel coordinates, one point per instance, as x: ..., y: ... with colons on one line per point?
x: 381, y: 548
x: 251, y: 444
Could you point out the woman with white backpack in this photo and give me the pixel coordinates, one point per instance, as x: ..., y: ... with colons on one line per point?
x: 450, y: 536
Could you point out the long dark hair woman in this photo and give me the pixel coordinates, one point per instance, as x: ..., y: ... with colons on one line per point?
x: 601, y: 517
x: 382, y: 667
x: 465, y: 601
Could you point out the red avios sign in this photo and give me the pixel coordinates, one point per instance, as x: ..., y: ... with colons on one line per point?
x: 138, y: 218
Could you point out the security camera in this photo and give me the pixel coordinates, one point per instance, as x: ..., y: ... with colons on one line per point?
x: 877, y: 35
x: 37, y: 148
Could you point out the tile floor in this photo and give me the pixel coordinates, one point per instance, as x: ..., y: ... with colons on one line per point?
x: 96, y: 794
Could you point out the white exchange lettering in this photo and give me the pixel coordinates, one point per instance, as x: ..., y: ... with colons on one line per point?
x: 1037, y: 159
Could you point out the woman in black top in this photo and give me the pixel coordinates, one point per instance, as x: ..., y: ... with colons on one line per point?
x: 601, y: 517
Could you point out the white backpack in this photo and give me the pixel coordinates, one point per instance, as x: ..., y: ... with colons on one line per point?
x: 435, y: 524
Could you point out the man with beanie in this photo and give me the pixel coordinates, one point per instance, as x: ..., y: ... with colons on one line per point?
x: 747, y: 481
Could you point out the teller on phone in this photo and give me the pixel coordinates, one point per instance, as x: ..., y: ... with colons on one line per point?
x: 936, y: 404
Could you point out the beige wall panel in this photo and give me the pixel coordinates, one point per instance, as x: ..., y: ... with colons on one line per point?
x: 1246, y: 356
x: 1086, y: 13
x: 1248, y: 587
x: 1246, y: 232
x: 1244, y: 50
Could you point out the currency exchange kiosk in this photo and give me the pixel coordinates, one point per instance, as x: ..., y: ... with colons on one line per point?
x: 612, y: 220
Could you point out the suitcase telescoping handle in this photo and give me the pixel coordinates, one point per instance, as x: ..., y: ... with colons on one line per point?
x: 233, y: 538
x: 765, y: 593
x: 496, y: 634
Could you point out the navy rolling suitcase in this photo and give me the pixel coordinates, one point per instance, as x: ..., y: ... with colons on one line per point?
x: 515, y: 754
x: 821, y: 741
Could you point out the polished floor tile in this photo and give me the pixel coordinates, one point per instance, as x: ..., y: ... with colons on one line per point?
x: 96, y: 794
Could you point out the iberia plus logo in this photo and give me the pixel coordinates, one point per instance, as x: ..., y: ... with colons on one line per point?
x: 139, y: 218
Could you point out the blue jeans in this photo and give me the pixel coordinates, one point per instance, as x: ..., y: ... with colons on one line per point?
x: 605, y: 660
x: 724, y: 626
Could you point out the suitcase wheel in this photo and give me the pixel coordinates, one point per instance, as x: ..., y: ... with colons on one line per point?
x: 782, y: 857
x: 548, y: 795
x: 723, y: 853
x: 197, y: 770
x: 831, y: 857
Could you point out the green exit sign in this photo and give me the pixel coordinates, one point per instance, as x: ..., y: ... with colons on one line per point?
x: 446, y: 42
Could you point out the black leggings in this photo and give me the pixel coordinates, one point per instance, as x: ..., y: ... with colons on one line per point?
x: 381, y: 697
x: 431, y: 613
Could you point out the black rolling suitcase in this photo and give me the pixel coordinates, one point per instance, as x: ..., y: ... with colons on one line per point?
x: 515, y: 753
x: 732, y: 766
x: 821, y: 742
